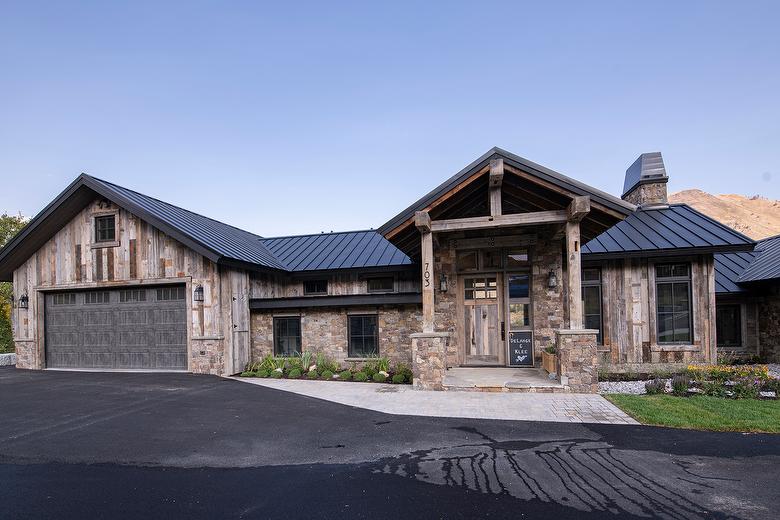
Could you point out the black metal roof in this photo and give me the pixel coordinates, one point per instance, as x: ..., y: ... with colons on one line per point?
x: 766, y: 265
x: 728, y: 268
x: 343, y: 300
x: 328, y: 251
x: 667, y: 230
x: 649, y: 167
x: 540, y: 171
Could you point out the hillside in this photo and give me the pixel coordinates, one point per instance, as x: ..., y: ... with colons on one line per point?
x: 755, y: 217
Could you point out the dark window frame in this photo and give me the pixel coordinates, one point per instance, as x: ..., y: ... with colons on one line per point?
x: 738, y: 324
x: 279, y: 336
x: 100, y: 230
x: 673, y: 281
x: 313, y: 289
x: 351, y: 336
x: 597, y: 284
x: 391, y: 279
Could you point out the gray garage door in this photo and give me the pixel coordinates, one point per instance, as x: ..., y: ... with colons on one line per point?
x: 140, y: 328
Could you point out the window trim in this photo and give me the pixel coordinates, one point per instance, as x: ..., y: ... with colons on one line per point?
x: 672, y: 280
x: 95, y: 243
x: 350, y: 352
x: 599, y: 284
x: 277, y: 337
x: 316, y: 293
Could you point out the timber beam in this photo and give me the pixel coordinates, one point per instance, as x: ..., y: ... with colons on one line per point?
x: 422, y: 221
x: 578, y: 208
x: 498, y: 221
x: 496, y: 177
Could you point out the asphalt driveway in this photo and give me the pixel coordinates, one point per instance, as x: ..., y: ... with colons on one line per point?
x: 85, y: 445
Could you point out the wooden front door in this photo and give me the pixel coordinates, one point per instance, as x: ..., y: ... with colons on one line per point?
x: 482, y: 321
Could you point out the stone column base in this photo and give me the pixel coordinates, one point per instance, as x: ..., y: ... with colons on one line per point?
x: 429, y: 359
x: 577, y: 359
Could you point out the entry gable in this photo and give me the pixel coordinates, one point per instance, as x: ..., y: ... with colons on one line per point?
x: 515, y: 185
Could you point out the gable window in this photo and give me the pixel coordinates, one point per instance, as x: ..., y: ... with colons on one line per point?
x: 315, y: 287
x: 105, y: 228
x: 384, y: 284
x: 363, y: 336
x: 673, y: 303
x: 287, y: 336
x: 729, y: 325
x: 591, y: 300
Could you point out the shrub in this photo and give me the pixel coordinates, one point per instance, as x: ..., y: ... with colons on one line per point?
x: 369, y: 369
x: 294, y: 363
x: 345, y: 375
x: 656, y: 386
x: 680, y: 385
x: 746, y: 389
x: 714, y: 388
x: 276, y: 374
x: 404, y: 370
x: 312, y: 374
x: 327, y: 375
x: 295, y: 373
x: 305, y: 360
x: 247, y: 373
x: 399, y: 379
x: 360, y: 377
x: 263, y: 372
x: 383, y: 365
x: 379, y: 377
x: 728, y: 372
x: 550, y: 349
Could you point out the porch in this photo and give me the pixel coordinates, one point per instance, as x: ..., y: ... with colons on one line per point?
x: 492, y: 379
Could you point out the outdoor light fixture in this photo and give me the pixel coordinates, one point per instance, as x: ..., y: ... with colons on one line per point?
x: 552, y: 280
x: 443, y: 282
x: 198, y: 296
x: 24, y: 301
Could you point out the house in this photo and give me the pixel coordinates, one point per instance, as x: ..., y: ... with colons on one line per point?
x: 501, y: 260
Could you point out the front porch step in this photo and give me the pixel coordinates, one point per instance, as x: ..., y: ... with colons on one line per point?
x: 528, y: 380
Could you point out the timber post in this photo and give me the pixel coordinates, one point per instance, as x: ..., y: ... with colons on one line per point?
x: 577, y: 210
x: 422, y: 221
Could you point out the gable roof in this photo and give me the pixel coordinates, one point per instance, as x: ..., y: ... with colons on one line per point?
x: 666, y: 230
x: 518, y: 162
x: 766, y: 265
x: 220, y: 242
x: 732, y: 270
x: 728, y: 268
x: 328, y: 251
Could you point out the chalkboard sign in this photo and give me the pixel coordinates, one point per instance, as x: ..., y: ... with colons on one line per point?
x: 521, y: 348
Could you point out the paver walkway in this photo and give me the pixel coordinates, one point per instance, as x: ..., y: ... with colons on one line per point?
x: 403, y: 400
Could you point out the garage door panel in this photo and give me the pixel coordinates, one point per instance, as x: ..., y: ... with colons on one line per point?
x: 125, y: 329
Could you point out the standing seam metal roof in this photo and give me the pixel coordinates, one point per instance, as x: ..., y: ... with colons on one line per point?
x: 766, y: 265
x: 666, y: 229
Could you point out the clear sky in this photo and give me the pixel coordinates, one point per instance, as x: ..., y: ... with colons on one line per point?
x: 289, y: 117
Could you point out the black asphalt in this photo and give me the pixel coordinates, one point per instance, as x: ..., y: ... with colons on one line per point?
x: 86, y: 445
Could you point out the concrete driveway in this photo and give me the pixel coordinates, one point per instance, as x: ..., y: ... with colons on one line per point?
x: 82, y: 445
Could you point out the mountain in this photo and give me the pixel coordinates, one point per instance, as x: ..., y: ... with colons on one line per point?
x: 756, y: 217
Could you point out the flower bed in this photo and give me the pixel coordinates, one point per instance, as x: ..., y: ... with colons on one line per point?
x: 729, y: 381
x: 320, y: 367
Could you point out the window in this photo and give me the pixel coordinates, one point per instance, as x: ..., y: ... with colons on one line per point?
x: 480, y: 288
x: 97, y: 297
x: 170, y: 293
x: 287, y: 336
x: 105, y: 228
x: 315, y: 287
x: 591, y: 300
x: 64, y: 299
x: 132, y: 295
x: 519, y: 301
x: 729, y: 325
x: 673, y: 303
x: 517, y: 258
x: 363, y: 341
x: 384, y: 284
x: 468, y: 261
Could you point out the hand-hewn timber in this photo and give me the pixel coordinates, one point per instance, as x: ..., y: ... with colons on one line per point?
x: 496, y: 178
x: 499, y: 221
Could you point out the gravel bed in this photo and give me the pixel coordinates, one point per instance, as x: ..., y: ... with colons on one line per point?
x: 774, y: 370
x: 627, y: 387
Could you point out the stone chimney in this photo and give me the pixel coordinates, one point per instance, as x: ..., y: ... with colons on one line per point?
x: 646, y: 179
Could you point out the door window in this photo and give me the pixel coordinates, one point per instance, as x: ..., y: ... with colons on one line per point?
x: 480, y: 288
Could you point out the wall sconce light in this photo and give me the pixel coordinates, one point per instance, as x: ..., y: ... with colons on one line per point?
x: 24, y: 301
x: 198, y: 295
x: 443, y: 282
x: 552, y: 280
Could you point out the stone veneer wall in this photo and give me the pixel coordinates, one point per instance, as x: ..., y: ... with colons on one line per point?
x: 429, y: 351
x: 769, y: 326
x: 650, y: 193
x: 577, y: 360
x: 446, y: 303
x: 325, y: 330
x: 548, y: 312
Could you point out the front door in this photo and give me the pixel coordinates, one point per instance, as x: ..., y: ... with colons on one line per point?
x: 482, y: 321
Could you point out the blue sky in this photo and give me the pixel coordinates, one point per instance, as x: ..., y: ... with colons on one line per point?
x: 287, y: 118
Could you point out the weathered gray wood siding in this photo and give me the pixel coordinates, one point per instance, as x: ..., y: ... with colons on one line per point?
x: 629, y: 313
x: 141, y: 254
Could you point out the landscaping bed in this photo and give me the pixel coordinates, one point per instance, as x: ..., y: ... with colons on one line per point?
x: 320, y: 367
x: 702, y: 412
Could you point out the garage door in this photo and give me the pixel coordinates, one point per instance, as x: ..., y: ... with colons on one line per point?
x: 139, y: 328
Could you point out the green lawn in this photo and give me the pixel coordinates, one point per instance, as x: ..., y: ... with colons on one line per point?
x: 702, y: 412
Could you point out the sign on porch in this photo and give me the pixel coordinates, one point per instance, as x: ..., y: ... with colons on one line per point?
x: 521, y: 350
